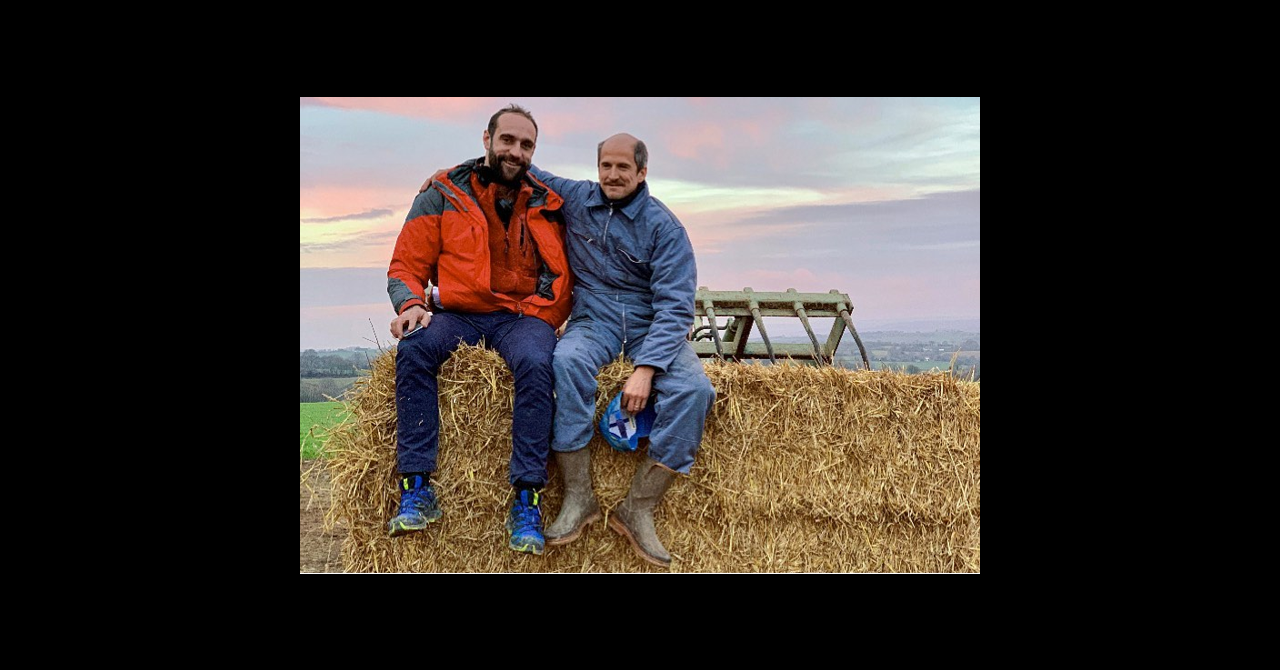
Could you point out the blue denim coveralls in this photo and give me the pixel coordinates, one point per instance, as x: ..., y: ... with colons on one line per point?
x: 635, y: 281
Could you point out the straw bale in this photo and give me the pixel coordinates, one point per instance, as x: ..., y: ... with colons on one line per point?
x: 801, y: 469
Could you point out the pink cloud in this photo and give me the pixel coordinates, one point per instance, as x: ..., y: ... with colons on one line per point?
x: 695, y: 141
x: 593, y: 116
x: 556, y: 118
x: 449, y: 109
x: 865, y: 113
x: 801, y: 279
x: 330, y: 201
x: 903, y: 296
x: 873, y: 296
x: 721, y: 142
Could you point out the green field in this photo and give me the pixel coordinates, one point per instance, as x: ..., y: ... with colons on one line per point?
x: 924, y: 366
x: 317, y: 418
x: 314, y: 389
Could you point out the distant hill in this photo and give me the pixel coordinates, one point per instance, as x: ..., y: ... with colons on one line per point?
x: 900, y: 337
x: 917, y: 325
x: 957, y: 335
x: 331, y: 371
x: 887, y: 336
x: 335, y: 363
x: 350, y: 353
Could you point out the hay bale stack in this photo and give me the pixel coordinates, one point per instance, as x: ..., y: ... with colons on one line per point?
x: 801, y: 469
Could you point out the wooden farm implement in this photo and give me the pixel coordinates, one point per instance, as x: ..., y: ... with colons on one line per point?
x: 745, y: 310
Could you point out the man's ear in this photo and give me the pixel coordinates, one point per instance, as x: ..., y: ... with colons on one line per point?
x: 644, y: 172
x: 484, y: 139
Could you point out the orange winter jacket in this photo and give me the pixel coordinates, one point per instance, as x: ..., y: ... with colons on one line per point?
x: 445, y: 240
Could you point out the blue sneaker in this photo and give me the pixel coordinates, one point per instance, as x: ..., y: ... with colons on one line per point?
x: 418, y: 506
x: 524, y: 522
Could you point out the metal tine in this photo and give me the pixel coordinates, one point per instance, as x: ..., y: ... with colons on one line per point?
x: 755, y: 313
x: 804, y: 319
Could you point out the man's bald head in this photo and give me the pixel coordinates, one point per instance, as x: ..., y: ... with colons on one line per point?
x: 623, y: 163
x: 626, y: 142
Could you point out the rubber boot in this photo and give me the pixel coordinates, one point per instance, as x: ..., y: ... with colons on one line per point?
x: 633, y: 517
x: 580, y: 508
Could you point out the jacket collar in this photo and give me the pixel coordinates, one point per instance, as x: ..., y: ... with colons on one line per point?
x: 460, y: 175
x: 631, y: 209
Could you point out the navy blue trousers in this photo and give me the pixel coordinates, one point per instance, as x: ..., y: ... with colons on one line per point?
x: 526, y: 343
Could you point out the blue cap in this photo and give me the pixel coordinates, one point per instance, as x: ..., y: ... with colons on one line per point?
x: 623, y: 431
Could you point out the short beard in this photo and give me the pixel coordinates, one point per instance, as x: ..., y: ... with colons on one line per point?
x: 497, y: 165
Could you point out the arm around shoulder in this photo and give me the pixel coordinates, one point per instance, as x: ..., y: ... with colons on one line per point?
x: 567, y: 188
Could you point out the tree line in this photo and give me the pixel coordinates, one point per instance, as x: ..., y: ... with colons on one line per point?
x: 313, y: 364
x: 316, y: 390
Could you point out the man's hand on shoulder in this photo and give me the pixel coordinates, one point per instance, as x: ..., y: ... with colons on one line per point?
x: 427, y: 184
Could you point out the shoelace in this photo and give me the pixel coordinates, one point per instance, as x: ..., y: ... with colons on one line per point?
x: 528, y: 517
x: 417, y: 499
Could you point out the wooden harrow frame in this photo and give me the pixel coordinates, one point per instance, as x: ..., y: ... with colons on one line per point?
x: 745, y: 309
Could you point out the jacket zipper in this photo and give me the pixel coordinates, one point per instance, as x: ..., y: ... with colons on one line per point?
x: 461, y: 204
x: 604, y: 246
x: 456, y: 200
x: 624, y: 330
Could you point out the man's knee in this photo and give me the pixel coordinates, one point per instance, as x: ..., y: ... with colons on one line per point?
x: 426, y: 349
x: 697, y: 392
x: 532, y: 361
x: 691, y: 383
x: 569, y: 359
x: 415, y: 349
x: 704, y: 391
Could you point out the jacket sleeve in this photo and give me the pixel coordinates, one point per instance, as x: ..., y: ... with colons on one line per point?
x: 413, y: 263
x: 675, y: 285
x: 569, y: 189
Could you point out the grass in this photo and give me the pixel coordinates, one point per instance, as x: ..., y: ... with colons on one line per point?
x: 317, y: 418
x: 314, y: 389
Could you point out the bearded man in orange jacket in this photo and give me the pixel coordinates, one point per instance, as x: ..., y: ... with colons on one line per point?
x: 489, y: 238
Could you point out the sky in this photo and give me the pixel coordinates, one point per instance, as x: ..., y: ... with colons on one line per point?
x: 878, y: 198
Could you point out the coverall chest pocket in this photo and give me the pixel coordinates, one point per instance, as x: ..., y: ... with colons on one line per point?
x: 633, y: 257
x: 634, y: 254
x: 633, y: 260
x: 584, y: 251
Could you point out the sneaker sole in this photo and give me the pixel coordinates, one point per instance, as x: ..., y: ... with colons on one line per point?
x: 622, y: 530
x: 525, y: 548
x: 404, y: 529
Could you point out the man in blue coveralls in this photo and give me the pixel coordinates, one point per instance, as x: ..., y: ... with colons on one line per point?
x: 634, y: 294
